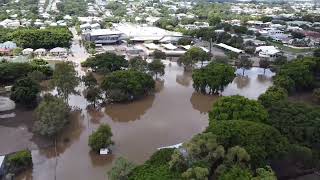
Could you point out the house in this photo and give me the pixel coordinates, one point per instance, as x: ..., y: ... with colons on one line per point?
x: 7, y: 47
x: 27, y: 51
x: 40, y: 52
x: 58, y: 51
x: 268, y: 51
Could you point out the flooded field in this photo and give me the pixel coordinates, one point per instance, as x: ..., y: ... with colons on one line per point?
x: 172, y: 115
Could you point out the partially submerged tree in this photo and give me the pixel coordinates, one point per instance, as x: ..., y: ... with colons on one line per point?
x: 89, y: 80
x: 264, y: 63
x: 105, y: 63
x: 101, y: 138
x: 192, y: 56
x: 127, y: 85
x: 213, y: 77
x: 138, y: 64
x: 244, y: 63
x: 52, y: 115
x: 65, y: 80
x: 156, y: 67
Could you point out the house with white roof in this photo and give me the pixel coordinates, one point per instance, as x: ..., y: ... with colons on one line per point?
x: 268, y: 51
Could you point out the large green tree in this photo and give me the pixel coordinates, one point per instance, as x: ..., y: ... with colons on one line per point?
x: 127, y: 85
x: 105, y: 63
x: 25, y: 91
x: 213, y: 77
x: 237, y: 108
x: 51, y: 116
x: 156, y: 67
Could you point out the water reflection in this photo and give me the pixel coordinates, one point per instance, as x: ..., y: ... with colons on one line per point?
x: 252, y: 85
x: 129, y: 111
x: 185, y: 79
x: 201, y: 102
x: 241, y: 81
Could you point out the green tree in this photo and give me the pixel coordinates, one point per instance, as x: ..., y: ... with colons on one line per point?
x: 196, y: 173
x: 89, y: 80
x: 156, y: 167
x: 10, y: 72
x: 264, y: 63
x: 273, y: 95
x: 19, y: 161
x: 244, y: 63
x: 138, y: 64
x: 159, y: 54
x: 237, y: 108
x: 156, y: 67
x: 261, y: 141
x: 214, y: 76
x: 25, y: 91
x: 65, y: 79
x: 184, y: 41
x: 52, y: 114
x: 266, y: 19
x: 101, y: 138
x: 236, y: 172
x: 214, y: 19
x: 127, y: 85
x: 37, y: 76
x: 121, y: 169
x: 265, y: 174
x: 105, y: 63
x: 192, y: 56
x: 93, y: 95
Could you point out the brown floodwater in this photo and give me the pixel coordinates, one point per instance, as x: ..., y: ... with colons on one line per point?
x: 172, y: 115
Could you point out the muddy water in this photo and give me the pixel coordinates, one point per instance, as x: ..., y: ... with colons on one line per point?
x: 172, y: 115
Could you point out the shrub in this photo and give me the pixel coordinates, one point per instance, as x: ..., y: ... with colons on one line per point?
x: 19, y: 161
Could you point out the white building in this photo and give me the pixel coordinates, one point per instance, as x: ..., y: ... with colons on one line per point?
x: 268, y: 51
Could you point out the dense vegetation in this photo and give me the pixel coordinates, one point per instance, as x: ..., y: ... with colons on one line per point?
x: 212, y: 78
x: 41, y: 38
x: 10, y: 72
x: 237, y: 108
x: 261, y: 141
x: 127, y: 85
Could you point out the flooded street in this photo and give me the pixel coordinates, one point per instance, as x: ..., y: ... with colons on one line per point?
x: 172, y: 115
